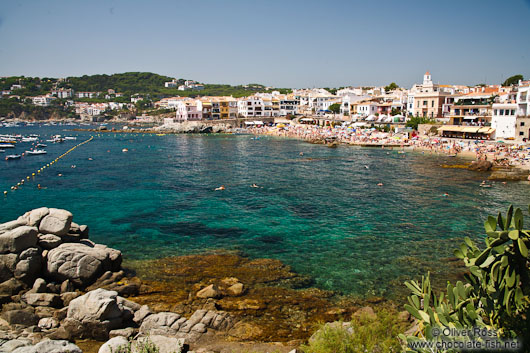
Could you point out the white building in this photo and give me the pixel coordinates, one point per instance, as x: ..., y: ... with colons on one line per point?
x: 251, y: 106
x: 190, y: 109
x: 43, y: 101
x: 504, y: 119
x: 367, y: 108
x: 62, y: 93
x: 171, y: 84
x: 87, y: 94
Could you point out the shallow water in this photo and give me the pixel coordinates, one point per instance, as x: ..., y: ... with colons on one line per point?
x: 322, y: 213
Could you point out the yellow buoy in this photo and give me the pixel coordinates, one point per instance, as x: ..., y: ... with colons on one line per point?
x: 5, y: 192
x: 32, y: 174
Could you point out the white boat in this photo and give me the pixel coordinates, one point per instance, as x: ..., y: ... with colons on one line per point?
x: 35, y: 152
x: 41, y: 145
x: 71, y: 138
x: 13, y: 156
x: 29, y: 139
x: 7, y: 145
x: 2, y: 151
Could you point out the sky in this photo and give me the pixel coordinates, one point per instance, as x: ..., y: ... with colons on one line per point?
x: 281, y: 43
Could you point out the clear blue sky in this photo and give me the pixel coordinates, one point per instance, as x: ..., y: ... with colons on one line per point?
x: 287, y: 43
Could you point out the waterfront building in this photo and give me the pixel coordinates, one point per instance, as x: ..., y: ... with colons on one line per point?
x: 504, y: 119
x: 188, y: 109
x: 428, y: 98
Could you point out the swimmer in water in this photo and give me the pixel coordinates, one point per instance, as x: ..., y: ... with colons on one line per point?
x: 254, y: 186
x: 380, y: 184
x: 446, y: 194
x: 222, y: 187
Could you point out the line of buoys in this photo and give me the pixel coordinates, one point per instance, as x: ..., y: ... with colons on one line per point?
x: 15, y: 187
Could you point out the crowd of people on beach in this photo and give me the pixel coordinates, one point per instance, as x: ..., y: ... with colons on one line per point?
x: 499, y: 153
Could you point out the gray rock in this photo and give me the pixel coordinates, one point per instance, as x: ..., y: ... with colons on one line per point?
x: 98, y: 305
x: 8, y: 263
x: 11, y: 286
x: 39, y: 286
x: 163, y: 343
x: 128, y: 304
x: 124, y: 332
x: 113, y: 345
x: 210, y: 291
x: 29, y: 265
x: 142, y: 313
x: 48, y: 323
x: 236, y: 289
x: 43, y: 299
x: 160, y: 324
x: 199, y: 328
x: 50, y: 346
x: 4, y: 227
x: 11, y: 345
x: 49, y: 241
x: 67, y: 286
x: 18, y: 239
x: 56, y: 222
x: 33, y: 217
x: 81, y: 263
x: 20, y: 317
x: 67, y: 297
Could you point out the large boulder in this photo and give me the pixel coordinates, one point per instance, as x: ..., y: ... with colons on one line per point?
x: 50, y: 346
x: 18, y: 239
x: 97, y: 312
x: 33, y: 217
x: 43, y: 299
x: 480, y: 166
x: 82, y: 262
x: 56, y: 222
x: 29, y: 265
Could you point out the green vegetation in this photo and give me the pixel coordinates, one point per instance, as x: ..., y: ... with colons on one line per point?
x: 414, y: 121
x: 391, y: 87
x: 512, y: 80
x: 146, y: 346
x: 334, y: 108
x: 152, y: 85
x: 362, y: 334
x: 14, y: 108
x: 496, y: 295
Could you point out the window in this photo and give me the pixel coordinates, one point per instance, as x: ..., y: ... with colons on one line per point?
x: 494, y: 111
x: 513, y: 112
x: 424, y: 103
x: 521, y: 133
x: 501, y: 111
x: 432, y: 104
x: 522, y: 123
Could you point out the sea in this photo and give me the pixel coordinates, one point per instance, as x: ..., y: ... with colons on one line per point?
x: 319, y: 210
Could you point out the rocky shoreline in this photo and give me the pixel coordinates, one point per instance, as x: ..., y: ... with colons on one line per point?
x: 57, y: 287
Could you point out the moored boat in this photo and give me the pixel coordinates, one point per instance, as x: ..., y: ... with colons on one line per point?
x: 13, y: 156
x: 7, y: 145
x: 36, y: 152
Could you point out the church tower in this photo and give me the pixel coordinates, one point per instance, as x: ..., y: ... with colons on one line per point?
x: 427, y: 81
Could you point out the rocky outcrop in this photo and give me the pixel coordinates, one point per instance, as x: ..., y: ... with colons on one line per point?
x: 193, y: 127
x: 99, y: 308
x: 511, y: 174
x: 82, y: 263
x: 163, y: 344
x: 480, y: 166
x: 172, y: 324
x: 47, y: 346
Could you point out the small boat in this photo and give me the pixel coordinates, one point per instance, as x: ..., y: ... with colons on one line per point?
x: 13, y: 156
x: 36, y: 152
x: 41, y: 145
x: 7, y: 145
x: 2, y: 151
x: 29, y: 139
x: 71, y: 138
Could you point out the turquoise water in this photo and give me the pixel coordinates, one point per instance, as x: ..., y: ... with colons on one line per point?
x: 322, y: 213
